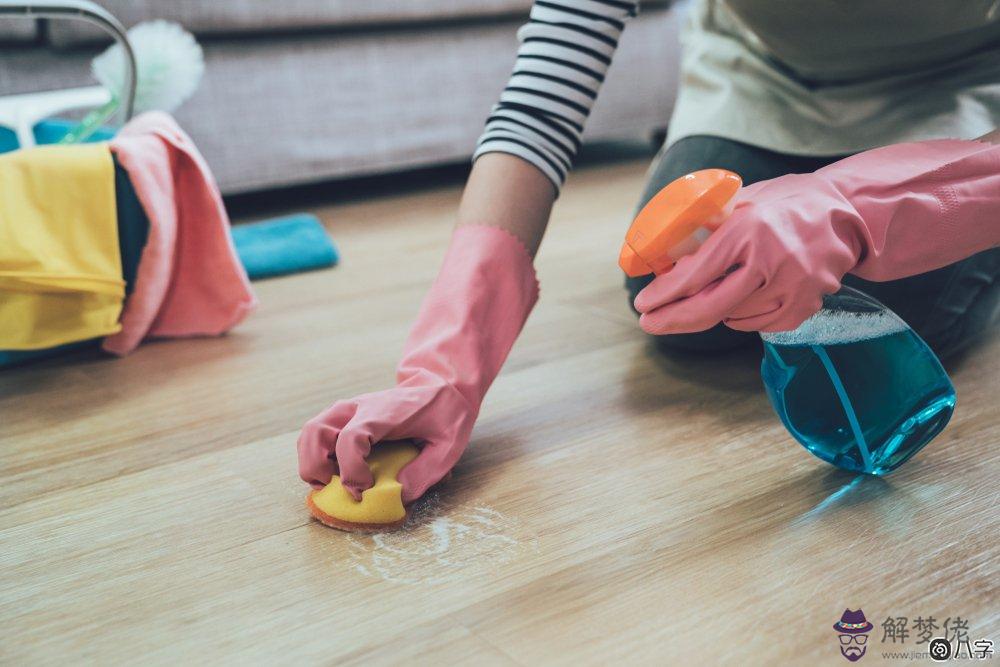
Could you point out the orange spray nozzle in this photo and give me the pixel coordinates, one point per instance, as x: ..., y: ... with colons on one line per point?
x: 678, y: 220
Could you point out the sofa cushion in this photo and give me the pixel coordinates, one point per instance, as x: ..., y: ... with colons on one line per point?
x: 204, y: 17
x: 18, y: 31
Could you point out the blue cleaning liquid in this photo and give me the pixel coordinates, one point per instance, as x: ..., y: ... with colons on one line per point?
x: 860, y: 391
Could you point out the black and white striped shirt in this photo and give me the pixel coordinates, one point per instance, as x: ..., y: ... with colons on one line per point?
x: 566, y: 48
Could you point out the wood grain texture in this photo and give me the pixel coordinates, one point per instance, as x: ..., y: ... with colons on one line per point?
x: 615, y: 504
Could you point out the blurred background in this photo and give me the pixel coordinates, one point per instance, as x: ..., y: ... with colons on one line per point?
x: 305, y: 91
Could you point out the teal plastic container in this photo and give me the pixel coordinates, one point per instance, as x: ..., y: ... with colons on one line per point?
x: 856, y: 386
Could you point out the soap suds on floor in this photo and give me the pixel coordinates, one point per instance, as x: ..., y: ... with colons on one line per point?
x: 441, y: 542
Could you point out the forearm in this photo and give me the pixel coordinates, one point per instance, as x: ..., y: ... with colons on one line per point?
x: 466, y: 326
x: 534, y: 130
x: 506, y: 192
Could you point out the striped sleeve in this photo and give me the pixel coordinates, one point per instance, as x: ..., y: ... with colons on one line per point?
x: 566, y: 48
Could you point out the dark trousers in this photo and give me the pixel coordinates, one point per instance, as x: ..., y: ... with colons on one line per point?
x: 949, y: 308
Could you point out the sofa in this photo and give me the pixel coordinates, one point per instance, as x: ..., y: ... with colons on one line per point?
x: 302, y: 91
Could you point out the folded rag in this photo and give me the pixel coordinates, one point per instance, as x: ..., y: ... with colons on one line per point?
x: 190, y: 281
x: 60, y: 270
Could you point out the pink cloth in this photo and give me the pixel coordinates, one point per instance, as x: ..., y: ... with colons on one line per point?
x: 469, y: 321
x: 884, y: 214
x: 190, y: 281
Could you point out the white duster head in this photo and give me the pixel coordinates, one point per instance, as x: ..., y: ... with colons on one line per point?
x: 169, y: 66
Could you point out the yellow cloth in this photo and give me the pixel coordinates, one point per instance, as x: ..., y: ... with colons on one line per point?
x: 60, y: 265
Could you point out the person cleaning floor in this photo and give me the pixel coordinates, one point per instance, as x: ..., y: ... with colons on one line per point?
x: 855, y: 129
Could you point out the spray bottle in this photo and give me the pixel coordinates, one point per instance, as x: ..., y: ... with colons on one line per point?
x: 853, y: 383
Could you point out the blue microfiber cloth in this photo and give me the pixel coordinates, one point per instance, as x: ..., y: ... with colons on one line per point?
x: 284, y: 245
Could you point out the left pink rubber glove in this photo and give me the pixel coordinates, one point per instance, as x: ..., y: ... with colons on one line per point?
x: 883, y: 214
x: 466, y: 327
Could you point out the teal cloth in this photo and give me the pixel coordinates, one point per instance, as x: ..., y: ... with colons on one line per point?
x: 49, y: 132
x: 284, y: 245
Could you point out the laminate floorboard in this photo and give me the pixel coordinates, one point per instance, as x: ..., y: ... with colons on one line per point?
x: 615, y: 504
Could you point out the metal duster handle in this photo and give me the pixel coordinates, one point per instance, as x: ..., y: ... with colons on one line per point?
x: 92, y: 13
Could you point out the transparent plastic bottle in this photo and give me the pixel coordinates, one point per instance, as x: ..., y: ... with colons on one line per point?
x: 856, y: 386
x: 853, y: 384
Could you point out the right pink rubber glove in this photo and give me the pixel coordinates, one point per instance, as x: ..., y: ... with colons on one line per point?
x: 883, y: 214
x: 466, y: 327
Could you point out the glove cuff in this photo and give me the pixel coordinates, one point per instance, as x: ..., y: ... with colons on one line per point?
x: 923, y: 205
x: 474, y: 311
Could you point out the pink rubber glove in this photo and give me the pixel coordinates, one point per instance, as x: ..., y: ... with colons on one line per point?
x: 466, y: 326
x: 884, y: 214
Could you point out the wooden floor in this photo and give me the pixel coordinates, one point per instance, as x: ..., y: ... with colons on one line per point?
x: 614, y: 504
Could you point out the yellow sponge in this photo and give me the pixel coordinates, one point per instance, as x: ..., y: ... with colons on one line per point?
x: 380, y: 507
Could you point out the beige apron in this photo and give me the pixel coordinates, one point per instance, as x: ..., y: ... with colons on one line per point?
x: 829, y: 77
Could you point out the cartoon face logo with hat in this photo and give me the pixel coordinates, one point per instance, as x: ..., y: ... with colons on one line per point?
x: 852, y: 631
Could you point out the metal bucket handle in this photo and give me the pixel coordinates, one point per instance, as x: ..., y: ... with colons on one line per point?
x: 92, y: 13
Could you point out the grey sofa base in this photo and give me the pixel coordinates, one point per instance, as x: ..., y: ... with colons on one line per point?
x: 277, y: 110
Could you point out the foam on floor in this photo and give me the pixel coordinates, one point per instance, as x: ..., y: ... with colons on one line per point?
x: 442, y: 542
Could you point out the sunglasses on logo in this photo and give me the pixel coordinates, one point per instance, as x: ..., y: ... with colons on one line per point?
x: 860, y: 640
